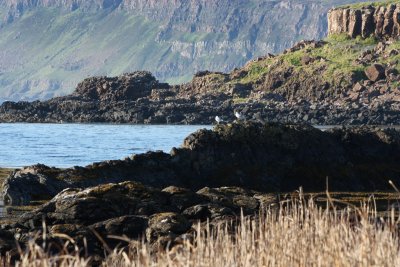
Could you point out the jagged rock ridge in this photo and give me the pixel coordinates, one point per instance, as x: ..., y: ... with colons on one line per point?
x: 378, y: 21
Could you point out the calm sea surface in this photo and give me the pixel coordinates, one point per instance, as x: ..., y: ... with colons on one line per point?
x: 67, y: 145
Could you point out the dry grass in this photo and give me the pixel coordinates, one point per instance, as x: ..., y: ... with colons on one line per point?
x: 300, y: 233
x: 4, y: 172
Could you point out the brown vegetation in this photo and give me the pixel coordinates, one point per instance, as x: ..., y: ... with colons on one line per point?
x: 300, y: 233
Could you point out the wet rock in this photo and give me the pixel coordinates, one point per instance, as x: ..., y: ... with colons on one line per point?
x: 30, y: 184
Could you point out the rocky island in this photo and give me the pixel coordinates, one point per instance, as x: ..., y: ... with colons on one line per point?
x: 351, y: 77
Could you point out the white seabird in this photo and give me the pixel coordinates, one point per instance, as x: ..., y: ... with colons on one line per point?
x: 239, y: 116
x: 218, y: 119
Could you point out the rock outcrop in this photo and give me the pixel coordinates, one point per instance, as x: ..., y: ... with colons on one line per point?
x: 255, y: 156
x: 382, y: 21
x: 133, y: 211
x: 127, y: 87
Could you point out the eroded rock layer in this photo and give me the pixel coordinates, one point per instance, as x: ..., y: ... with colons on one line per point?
x: 378, y: 21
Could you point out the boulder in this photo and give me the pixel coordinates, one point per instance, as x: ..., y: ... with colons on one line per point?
x: 130, y: 86
x: 130, y: 226
x: 166, y: 225
x: 306, y: 59
x: 358, y: 87
x: 375, y: 72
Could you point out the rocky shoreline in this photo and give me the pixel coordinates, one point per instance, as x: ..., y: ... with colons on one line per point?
x: 215, y: 176
x: 256, y: 156
x: 280, y: 93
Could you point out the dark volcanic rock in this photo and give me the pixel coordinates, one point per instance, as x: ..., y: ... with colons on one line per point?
x: 104, y: 213
x: 216, y: 176
x: 258, y: 156
x: 167, y: 224
x: 286, y: 93
x: 130, y: 86
x: 130, y: 226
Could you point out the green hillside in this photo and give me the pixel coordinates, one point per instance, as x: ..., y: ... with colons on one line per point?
x: 69, y: 47
x: 46, y: 50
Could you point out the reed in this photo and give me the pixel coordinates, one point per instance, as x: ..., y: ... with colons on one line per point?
x: 299, y: 233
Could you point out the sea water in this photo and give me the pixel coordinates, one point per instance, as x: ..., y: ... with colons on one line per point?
x: 67, y: 145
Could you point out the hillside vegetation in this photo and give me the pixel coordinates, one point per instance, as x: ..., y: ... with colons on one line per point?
x: 47, y: 47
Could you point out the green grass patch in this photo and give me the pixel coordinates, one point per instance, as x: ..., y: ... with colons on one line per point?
x: 374, y: 4
x: 255, y: 71
x: 240, y: 100
x: 335, y: 62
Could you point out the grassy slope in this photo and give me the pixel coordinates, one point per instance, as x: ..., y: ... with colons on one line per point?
x: 339, y: 55
x: 76, y: 45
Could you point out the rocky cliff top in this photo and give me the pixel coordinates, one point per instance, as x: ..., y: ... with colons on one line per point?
x: 379, y: 20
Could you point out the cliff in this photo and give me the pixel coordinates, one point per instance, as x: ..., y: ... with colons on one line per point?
x: 381, y: 21
x: 48, y: 46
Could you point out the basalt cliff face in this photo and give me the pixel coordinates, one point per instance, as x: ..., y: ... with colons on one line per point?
x: 382, y: 21
x: 48, y: 46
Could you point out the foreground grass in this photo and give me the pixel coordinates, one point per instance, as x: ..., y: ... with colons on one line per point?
x: 4, y: 172
x: 299, y: 233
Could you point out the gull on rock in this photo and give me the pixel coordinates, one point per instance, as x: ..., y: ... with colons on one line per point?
x: 218, y: 119
x: 239, y: 116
